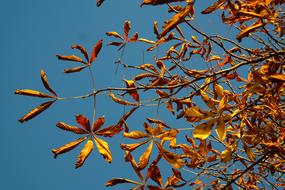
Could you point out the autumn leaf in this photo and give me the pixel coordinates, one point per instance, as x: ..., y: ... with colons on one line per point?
x: 45, y: 82
x: 203, y: 130
x: 73, y: 129
x: 98, y: 123
x: 28, y: 92
x: 144, y: 158
x: 85, y: 152
x: 120, y: 101
x: 67, y: 147
x: 103, y: 149
x: 109, y: 131
x: 133, y: 92
x: 214, y: 7
x: 82, y: 50
x: 278, y: 77
x: 36, y: 111
x: 135, y: 135
x: 177, y: 19
x: 117, y: 181
x: 70, y: 58
x: 114, y: 34
x: 83, y: 121
x: 74, y: 70
x: 158, y: 2
x: 132, y: 147
x: 221, y: 129
x: 226, y: 155
x: 96, y: 51
x: 245, y: 32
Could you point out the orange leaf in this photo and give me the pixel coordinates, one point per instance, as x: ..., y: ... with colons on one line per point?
x: 120, y: 101
x: 134, y: 92
x: 162, y: 94
x: 70, y: 58
x: 103, y: 149
x: 83, y: 121
x: 28, y: 92
x: 278, y: 77
x: 177, y: 19
x: 36, y: 111
x: 127, y: 27
x: 109, y: 131
x: 131, y: 147
x: 203, y: 130
x: 73, y: 129
x: 45, y: 82
x: 214, y: 7
x: 73, y: 70
x: 82, y: 50
x: 85, y: 152
x: 134, y: 38
x: 114, y: 34
x: 67, y: 147
x: 245, y: 32
x: 98, y: 123
x: 158, y: 2
x: 96, y: 50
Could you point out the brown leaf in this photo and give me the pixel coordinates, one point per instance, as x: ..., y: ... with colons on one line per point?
x: 154, y: 173
x: 98, y: 123
x: 127, y: 27
x: 74, y: 70
x: 117, y: 181
x: 28, y: 92
x: 85, y: 152
x: 158, y: 2
x: 83, y: 121
x: 177, y: 19
x: 134, y: 38
x: 277, y: 77
x: 45, y: 82
x: 36, y: 111
x: 82, y: 50
x: 96, y: 51
x: 70, y: 58
x: 134, y: 92
x: 114, y: 34
x: 109, y: 131
x: 67, y: 147
x: 214, y: 7
x: 103, y: 149
x: 162, y: 94
x: 73, y: 129
x: 120, y: 101
x: 144, y: 158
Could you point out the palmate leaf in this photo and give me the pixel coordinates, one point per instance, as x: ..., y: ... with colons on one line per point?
x: 96, y: 51
x: 73, y: 129
x: 83, y: 121
x: 67, y: 147
x: 82, y: 50
x: 144, y: 158
x: 85, y: 152
x: 132, y: 147
x: 98, y: 123
x: 103, y: 149
x: 35, y: 93
x: 45, y: 82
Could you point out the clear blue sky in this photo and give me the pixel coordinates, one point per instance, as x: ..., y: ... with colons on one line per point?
x: 32, y: 32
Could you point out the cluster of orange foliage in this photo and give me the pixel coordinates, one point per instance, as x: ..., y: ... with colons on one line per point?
x: 238, y: 135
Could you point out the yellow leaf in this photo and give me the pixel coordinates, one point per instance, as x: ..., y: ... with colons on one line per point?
x: 194, y: 114
x: 144, y: 158
x: 278, y: 77
x: 135, y: 135
x: 28, y: 92
x: 219, y: 90
x: 245, y: 32
x: 114, y: 34
x: 214, y: 58
x: 85, y: 152
x: 221, y: 129
x: 209, y: 101
x: 103, y: 149
x: 73, y: 129
x: 223, y: 103
x: 120, y: 101
x: 226, y: 155
x: 133, y: 92
x: 131, y: 147
x: 203, y: 130
x: 213, y: 7
x: 36, y: 111
x: 67, y: 147
x: 116, y: 181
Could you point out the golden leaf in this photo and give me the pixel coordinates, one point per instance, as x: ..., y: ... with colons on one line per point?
x: 146, y: 41
x: 203, y: 130
x: 213, y: 7
x: 209, y: 101
x: 219, y: 90
x: 194, y: 114
x: 223, y: 103
x: 36, y: 111
x: 214, y: 58
x: 221, y: 129
x: 109, y: 131
x: 67, y: 147
x: 103, y: 149
x: 170, y: 157
x: 135, y: 135
x: 144, y: 158
x: 226, y: 155
x: 73, y: 129
x: 96, y: 50
x: 28, y: 92
x: 158, y: 2
x: 133, y: 92
x: 245, y: 32
x: 278, y: 77
x: 85, y: 152
x: 45, y: 82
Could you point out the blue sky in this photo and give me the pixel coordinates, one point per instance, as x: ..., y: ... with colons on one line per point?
x: 32, y: 33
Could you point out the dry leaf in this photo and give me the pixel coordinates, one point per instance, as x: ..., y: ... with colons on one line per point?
x: 96, y: 51
x: 117, y: 181
x: 28, y: 92
x: 67, y: 147
x: 98, y: 123
x: 73, y: 129
x: 120, y: 101
x: 70, y: 58
x: 45, y: 82
x: 82, y: 50
x: 74, y: 70
x: 135, y: 135
x: 83, y: 121
x: 103, y: 149
x: 203, y: 130
x: 85, y: 152
x: 221, y: 129
x: 214, y: 7
x: 144, y: 158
